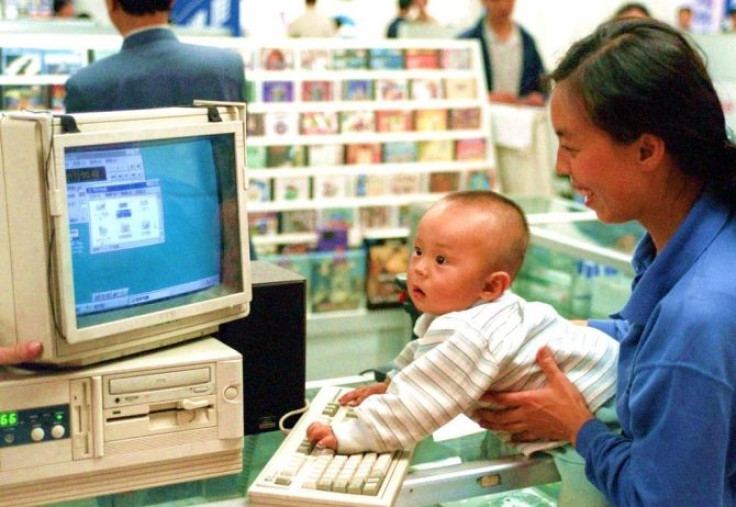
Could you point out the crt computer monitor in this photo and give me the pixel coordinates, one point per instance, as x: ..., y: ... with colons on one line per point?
x: 121, y: 232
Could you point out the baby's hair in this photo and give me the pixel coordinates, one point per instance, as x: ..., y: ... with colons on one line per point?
x: 507, y: 214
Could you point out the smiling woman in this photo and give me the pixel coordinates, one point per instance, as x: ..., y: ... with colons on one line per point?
x: 643, y: 137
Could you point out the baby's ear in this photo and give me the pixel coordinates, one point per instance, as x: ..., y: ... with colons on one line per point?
x: 495, y: 284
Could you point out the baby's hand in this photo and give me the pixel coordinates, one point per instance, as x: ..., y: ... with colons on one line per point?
x: 356, y: 396
x: 321, y: 436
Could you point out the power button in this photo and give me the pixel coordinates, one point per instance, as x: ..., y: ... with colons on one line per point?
x: 231, y: 393
x: 58, y: 431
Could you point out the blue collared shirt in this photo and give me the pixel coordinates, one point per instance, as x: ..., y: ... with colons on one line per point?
x: 676, y: 386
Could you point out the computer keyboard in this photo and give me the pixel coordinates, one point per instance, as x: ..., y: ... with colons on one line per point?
x: 299, y: 474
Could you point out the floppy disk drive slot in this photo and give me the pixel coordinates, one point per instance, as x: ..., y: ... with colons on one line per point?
x: 156, y: 418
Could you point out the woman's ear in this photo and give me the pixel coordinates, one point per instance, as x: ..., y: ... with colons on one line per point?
x: 651, y: 150
x: 494, y: 285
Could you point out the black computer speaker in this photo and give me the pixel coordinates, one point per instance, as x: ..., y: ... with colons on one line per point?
x: 272, y: 340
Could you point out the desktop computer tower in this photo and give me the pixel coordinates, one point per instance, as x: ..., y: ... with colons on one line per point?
x: 272, y: 341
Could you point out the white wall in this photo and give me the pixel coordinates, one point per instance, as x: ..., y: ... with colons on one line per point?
x: 556, y: 24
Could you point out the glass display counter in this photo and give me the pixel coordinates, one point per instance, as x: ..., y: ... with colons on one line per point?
x: 446, y: 473
x: 581, y: 267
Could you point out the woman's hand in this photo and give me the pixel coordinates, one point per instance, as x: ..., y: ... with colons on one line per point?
x: 357, y: 396
x: 20, y: 353
x: 556, y: 411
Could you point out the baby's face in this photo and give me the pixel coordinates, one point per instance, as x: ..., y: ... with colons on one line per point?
x: 449, y: 262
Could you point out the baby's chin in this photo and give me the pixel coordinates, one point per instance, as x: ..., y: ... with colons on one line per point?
x: 430, y: 309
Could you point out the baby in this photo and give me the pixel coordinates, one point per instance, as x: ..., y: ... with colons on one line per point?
x: 474, y: 335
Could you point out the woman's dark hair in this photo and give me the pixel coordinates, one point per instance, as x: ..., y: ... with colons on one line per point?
x: 643, y: 76
x: 141, y: 7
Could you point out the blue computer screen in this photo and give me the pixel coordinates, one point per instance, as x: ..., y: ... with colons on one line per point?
x: 145, y: 224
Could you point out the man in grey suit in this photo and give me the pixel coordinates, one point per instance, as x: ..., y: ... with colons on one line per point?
x: 153, y: 68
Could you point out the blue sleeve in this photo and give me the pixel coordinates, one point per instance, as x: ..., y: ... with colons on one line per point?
x: 615, y: 328
x: 678, y: 416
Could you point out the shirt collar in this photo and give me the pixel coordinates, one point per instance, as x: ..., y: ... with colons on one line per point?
x: 425, y: 320
x: 515, y: 37
x: 657, y: 274
x: 146, y: 29
x: 147, y: 35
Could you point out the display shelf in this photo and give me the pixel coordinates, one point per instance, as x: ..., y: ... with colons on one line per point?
x: 345, y: 105
x: 353, y: 202
x: 366, y: 137
x: 405, y: 167
x: 311, y: 237
x: 421, y: 96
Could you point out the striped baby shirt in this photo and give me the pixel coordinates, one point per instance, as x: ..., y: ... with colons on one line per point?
x: 460, y: 355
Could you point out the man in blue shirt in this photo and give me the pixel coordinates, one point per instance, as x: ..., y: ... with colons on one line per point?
x: 512, y: 63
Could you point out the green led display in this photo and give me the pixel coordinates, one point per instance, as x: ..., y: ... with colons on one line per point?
x: 8, y: 419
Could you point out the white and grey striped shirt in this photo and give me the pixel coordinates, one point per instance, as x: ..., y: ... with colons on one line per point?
x: 460, y: 355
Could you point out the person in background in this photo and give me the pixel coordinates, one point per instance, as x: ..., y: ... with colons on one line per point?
x: 64, y: 9
x: 468, y: 249
x: 153, y: 68
x: 404, y: 6
x: 642, y: 136
x: 512, y: 63
x: 421, y: 15
x: 311, y: 23
x: 632, y: 10
x: 21, y: 353
x: 684, y: 18
x: 730, y: 20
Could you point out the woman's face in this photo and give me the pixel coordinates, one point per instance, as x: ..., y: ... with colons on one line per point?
x: 600, y: 169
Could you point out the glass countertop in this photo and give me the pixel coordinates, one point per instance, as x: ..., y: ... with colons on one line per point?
x: 445, y: 473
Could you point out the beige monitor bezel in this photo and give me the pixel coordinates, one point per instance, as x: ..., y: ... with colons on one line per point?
x: 59, y: 211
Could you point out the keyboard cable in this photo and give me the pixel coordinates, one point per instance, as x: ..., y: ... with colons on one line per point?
x: 292, y: 413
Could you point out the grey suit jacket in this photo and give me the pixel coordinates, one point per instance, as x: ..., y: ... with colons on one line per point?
x: 155, y: 69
